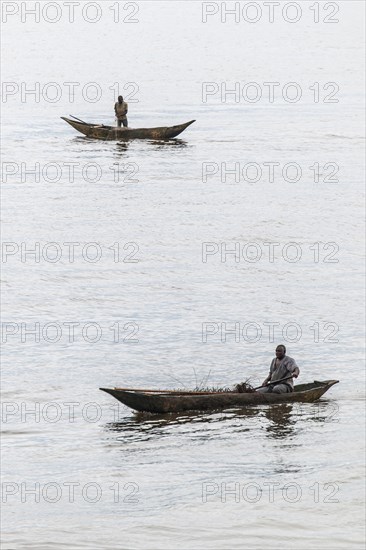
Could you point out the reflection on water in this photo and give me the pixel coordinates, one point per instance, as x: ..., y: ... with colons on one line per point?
x: 173, y: 142
x: 121, y: 147
x: 82, y: 139
x: 282, y: 422
x: 277, y: 421
x: 322, y: 411
x: 123, y: 144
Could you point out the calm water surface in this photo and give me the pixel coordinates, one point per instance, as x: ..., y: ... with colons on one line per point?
x: 136, y: 308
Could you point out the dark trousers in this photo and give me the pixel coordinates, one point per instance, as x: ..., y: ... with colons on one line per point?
x: 121, y: 121
x: 276, y: 388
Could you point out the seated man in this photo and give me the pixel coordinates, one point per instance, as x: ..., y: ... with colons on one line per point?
x: 281, y: 367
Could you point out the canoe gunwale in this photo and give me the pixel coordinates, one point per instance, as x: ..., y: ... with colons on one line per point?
x: 167, y: 403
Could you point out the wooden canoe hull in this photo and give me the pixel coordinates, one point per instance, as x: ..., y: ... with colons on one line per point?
x: 100, y: 131
x: 165, y: 403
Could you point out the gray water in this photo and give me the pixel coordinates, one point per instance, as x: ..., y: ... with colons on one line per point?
x: 151, y: 304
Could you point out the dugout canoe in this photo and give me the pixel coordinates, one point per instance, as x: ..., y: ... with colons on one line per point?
x: 100, y: 131
x: 165, y: 401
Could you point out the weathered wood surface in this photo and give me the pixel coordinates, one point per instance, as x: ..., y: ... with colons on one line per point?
x: 100, y: 131
x: 168, y: 403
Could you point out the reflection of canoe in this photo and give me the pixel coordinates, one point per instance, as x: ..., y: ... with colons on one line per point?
x: 166, y: 402
x: 100, y: 131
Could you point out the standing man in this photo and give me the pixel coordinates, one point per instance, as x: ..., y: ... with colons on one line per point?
x: 282, y: 366
x: 121, y: 110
